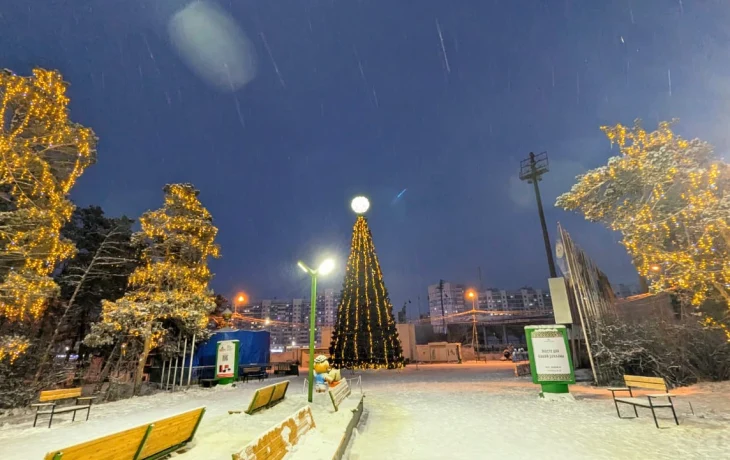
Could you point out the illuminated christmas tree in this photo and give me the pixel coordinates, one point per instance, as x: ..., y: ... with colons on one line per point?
x: 172, y: 283
x: 365, y: 335
x: 42, y: 154
x: 670, y: 200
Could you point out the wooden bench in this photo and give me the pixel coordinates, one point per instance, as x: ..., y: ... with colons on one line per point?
x: 208, y: 383
x: 652, y: 401
x: 43, y: 407
x: 522, y: 369
x: 150, y: 441
x: 265, y: 397
x: 254, y: 371
x: 286, y: 369
x: 339, y: 392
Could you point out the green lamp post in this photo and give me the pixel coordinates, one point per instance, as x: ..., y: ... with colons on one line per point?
x: 324, y: 268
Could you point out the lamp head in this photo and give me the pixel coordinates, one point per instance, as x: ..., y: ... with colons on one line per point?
x: 360, y: 204
x: 326, y: 267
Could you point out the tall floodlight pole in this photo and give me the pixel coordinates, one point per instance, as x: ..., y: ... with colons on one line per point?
x: 324, y: 268
x: 531, y: 170
x: 474, y: 335
x: 443, y: 312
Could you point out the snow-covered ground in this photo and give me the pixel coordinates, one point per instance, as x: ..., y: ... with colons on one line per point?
x: 431, y: 412
x: 482, y: 412
x: 218, y: 436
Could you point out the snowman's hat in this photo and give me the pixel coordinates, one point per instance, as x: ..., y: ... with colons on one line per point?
x: 320, y: 359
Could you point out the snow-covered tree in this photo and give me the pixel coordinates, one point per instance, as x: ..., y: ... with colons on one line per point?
x: 104, y: 260
x: 670, y: 200
x: 42, y: 154
x: 171, y: 285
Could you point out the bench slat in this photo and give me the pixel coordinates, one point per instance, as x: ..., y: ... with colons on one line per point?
x: 654, y: 383
x: 64, y: 393
x: 121, y: 446
x: 124, y: 445
x: 339, y: 393
x: 171, y: 432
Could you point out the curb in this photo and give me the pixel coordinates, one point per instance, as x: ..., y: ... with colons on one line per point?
x: 356, y: 414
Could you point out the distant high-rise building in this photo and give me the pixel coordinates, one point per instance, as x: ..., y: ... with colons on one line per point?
x: 288, y: 320
x: 525, y: 298
x: 444, y: 299
x: 330, y: 303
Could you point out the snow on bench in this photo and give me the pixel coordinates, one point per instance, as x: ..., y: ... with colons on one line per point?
x: 280, y: 439
x: 339, y: 392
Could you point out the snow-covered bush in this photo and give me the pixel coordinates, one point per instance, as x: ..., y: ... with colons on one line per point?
x: 682, y: 353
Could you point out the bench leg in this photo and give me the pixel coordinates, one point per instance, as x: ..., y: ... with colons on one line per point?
x: 88, y: 411
x: 73, y: 419
x: 619, y: 413
x: 51, y: 419
x: 675, y: 415
x: 653, y: 413
x: 36, y: 418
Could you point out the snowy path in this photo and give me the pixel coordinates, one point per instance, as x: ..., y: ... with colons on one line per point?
x: 484, y: 412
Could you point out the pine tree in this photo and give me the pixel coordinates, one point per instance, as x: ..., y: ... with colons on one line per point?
x: 99, y: 271
x: 42, y: 154
x: 171, y: 285
x: 365, y: 335
x: 670, y: 200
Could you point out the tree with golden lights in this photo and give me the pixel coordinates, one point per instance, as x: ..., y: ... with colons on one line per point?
x: 670, y: 199
x: 365, y: 334
x: 171, y: 285
x: 42, y: 154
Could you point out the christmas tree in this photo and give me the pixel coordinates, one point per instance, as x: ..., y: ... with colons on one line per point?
x: 365, y: 335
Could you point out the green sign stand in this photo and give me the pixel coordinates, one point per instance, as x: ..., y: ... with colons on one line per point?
x: 550, y: 362
x: 226, y: 362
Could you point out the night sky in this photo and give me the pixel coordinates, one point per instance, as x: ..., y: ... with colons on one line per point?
x: 441, y: 98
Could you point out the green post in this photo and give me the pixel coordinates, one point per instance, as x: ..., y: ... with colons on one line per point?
x: 550, y: 362
x: 312, y: 318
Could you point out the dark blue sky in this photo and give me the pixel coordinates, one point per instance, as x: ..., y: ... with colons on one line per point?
x: 521, y: 76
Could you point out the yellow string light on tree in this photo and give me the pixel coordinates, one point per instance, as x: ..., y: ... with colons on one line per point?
x: 172, y: 283
x: 42, y: 154
x: 365, y: 335
x: 670, y: 200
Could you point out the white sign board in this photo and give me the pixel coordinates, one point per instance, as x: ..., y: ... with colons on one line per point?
x: 551, y: 358
x: 226, y: 362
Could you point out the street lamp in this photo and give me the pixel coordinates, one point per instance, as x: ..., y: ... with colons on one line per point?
x: 240, y: 298
x: 474, y: 333
x: 324, y: 268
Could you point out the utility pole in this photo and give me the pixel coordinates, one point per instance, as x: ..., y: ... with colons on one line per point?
x: 474, y: 335
x: 531, y: 170
x: 443, y: 312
